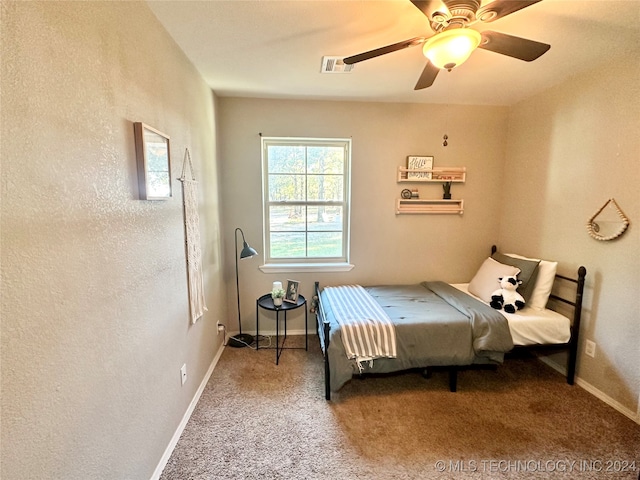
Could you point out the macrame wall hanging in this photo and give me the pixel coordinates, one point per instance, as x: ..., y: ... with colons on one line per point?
x: 197, y: 304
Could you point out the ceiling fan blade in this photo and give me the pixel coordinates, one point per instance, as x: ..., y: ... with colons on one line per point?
x: 429, y: 7
x: 427, y: 77
x: 384, y: 50
x: 502, y: 8
x: 516, y: 47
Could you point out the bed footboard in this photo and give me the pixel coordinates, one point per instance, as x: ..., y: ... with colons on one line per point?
x: 323, y: 334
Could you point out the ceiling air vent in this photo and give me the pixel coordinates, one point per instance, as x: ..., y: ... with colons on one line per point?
x: 335, y: 65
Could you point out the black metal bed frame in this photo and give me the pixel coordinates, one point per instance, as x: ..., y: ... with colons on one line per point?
x: 572, y: 346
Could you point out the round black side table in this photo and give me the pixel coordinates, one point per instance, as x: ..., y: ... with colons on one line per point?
x: 266, y: 302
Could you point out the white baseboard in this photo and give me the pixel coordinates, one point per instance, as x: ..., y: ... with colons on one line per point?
x: 595, y: 392
x: 185, y: 418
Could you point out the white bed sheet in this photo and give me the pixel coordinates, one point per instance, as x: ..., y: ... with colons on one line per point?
x: 532, y: 327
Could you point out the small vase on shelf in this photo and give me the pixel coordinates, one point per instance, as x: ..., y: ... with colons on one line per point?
x: 446, y: 187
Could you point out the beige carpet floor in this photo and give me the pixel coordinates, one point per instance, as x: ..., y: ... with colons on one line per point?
x: 256, y: 420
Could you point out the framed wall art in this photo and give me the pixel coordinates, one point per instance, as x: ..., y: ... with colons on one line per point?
x: 154, y: 162
x: 415, y: 162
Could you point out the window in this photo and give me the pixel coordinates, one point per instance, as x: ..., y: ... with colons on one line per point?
x: 306, y: 201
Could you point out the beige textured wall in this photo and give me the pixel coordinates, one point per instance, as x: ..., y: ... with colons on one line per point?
x: 570, y: 150
x: 95, y: 321
x: 385, y: 247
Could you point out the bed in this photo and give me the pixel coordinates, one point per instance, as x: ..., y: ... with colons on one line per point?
x: 437, y: 325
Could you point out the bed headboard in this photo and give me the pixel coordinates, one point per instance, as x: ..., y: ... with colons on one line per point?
x: 573, y: 298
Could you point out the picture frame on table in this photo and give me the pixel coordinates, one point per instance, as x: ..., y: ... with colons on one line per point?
x: 418, y: 162
x: 291, y: 293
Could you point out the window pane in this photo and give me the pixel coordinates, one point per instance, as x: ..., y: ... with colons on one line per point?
x: 325, y: 244
x: 287, y: 218
x: 305, y: 195
x: 324, y: 218
x: 325, y: 187
x: 287, y: 245
x: 325, y: 160
x: 286, y: 188
x: 286, y: 159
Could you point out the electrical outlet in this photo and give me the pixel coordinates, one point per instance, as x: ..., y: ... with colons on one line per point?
x: 590, y: 348
x: 183, y: 373
x: 221, y: 328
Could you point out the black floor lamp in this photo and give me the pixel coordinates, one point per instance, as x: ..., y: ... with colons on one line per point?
x: 242, y: 339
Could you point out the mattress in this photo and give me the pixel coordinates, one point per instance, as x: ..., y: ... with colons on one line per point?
x: 533, y: 327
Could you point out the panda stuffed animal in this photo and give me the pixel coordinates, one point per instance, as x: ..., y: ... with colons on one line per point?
x: 506, y: 297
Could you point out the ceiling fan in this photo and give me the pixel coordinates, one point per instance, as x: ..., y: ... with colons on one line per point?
x: 453, y: 41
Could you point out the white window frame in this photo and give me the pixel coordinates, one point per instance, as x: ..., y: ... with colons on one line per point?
x: 306, y: 264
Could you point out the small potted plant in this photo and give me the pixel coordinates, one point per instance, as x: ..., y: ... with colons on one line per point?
x: 446, y: 187
x: 277, y: 294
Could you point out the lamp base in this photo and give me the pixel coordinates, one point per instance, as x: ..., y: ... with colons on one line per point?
x: 240, y: 340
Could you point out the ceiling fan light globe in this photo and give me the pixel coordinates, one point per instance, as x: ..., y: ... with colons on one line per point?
x: 451, y: 48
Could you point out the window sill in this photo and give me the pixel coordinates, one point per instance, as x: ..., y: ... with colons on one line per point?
x: 305, y: 267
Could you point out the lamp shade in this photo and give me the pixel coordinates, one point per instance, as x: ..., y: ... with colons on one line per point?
x: 247, y: 251
x: 451, y: 48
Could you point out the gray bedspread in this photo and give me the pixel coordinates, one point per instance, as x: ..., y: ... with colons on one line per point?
x: 436, y: 325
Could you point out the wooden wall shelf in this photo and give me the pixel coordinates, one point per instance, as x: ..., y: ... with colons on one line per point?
x: 432, y: 207
x: 433, y: 175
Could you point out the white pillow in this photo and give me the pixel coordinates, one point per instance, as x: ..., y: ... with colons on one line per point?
x: 544, y: 282
x: 485, y: 282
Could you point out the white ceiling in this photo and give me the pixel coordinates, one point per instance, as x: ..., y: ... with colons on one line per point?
x: 274, y: 49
